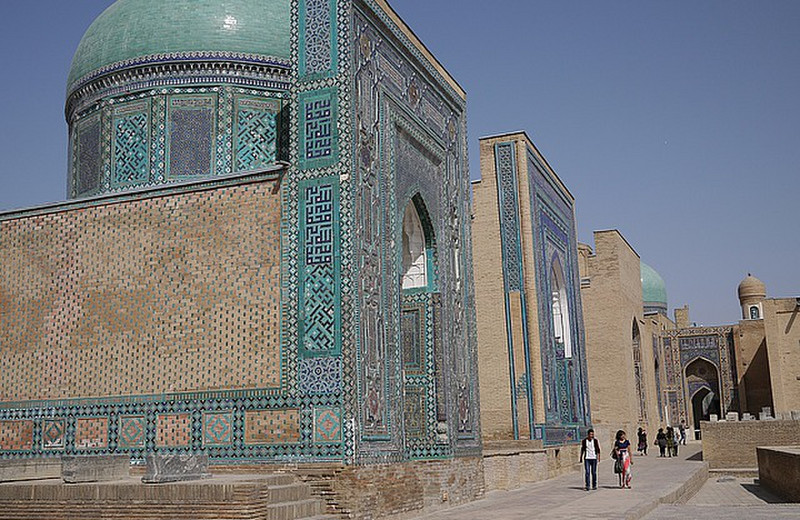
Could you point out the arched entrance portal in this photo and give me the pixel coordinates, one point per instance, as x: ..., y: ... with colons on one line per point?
x: 702, y: 379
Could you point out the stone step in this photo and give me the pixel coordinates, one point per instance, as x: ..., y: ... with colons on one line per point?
x: 288, y: 493
x: 294, y: 510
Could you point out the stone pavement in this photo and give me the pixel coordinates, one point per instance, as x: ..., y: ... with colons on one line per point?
x: 728, y: 499
x: 655, y: 481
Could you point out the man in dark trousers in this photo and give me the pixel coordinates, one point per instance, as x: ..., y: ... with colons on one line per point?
x: 590, y: 453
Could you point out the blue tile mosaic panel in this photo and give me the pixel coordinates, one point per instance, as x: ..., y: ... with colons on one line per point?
x: 320, y: 376
x: 89, y: 158
x: 320, y: 318
x: 256, y: 133
x: 131, y: 145
x: 318, y: 135
x: 218, y: 428
x: 190, y: 138
x: 318, y: 53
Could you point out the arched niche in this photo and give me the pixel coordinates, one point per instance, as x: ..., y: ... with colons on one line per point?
x: 562, y: 327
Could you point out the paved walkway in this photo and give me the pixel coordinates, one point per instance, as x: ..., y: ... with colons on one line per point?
x: 729, y: 499
x: 655, y: 480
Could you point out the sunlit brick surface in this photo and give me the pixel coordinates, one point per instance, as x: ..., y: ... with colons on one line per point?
x: 164, y: 294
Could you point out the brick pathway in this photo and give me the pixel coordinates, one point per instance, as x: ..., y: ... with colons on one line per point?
x: 563, y: 498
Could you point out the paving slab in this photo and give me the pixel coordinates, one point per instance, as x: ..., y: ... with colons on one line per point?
x: 655, y: 481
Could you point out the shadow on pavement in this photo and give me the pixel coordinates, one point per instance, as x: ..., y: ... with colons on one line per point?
x: 763, y: 494
x: 696, y: 456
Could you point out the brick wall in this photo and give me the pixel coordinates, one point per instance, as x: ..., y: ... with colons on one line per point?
x: 732, y: 445
x: 779, y: 471
x: 147, y: 296
x: 509, y: 468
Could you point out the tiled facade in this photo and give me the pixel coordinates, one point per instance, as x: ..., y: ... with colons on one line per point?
x: 531, y: 349
x: 227, y: 281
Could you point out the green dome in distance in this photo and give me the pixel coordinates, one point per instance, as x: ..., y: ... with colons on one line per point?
x: 654, y: 290
x: 132, y: 32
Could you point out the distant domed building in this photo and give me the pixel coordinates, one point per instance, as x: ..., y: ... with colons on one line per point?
x: 266, y: 257
x: 654, y: 291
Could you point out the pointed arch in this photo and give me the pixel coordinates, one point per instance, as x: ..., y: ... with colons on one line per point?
x: 562, y: 326
x: 417, y: 246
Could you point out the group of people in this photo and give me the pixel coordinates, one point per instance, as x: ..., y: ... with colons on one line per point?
x: 667, y: 442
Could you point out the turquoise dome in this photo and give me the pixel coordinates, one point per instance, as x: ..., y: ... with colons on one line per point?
x: 133, y: 32
x: 654, y: 290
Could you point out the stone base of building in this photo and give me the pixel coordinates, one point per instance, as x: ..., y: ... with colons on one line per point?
x: 289, y: 492
x: 511, y: 464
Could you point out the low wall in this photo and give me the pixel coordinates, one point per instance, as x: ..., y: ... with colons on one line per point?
x: 779, y: 471
x: 509, y: 465
x: 732, y: 445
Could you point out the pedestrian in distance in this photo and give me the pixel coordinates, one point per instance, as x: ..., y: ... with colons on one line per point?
x: 622, y: 455
x: 682, y: 429
x: 642, y: 446
x: 676, y: 443
x: 661, y: 442
x: 670, y: 441
x: 590, y: 453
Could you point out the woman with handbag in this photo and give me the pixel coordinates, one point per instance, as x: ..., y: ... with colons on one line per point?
x: 622, y: 454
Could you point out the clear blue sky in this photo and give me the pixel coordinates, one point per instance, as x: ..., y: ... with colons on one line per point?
x: 675, y: 121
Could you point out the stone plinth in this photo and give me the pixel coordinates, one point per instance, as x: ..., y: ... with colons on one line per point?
x: 33, y: 469
x: 779, y: 471
x: 175, y: 468
x: 732, y: 445
x: 103, y: 468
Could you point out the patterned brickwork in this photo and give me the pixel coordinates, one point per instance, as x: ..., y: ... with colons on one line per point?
x: 144, y: 297
x: 91, y: 433
x: 272, y: 427
x: 173, y: 430
x: 16, y: 435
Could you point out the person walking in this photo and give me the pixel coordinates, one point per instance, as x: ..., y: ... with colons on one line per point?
x: 682, y: 429
x: 642, y: 446
x: 676, y: 442
x: 590, y: 453
x: 623, y: 460
x: 661, y: 442
x: 670, y: 441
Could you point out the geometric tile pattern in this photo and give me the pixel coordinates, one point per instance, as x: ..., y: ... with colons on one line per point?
x: 318, y: 30
x: 319, y: 331
x: 322, y: 375
x: 131, y: 157
x: 217, y: 428
x: 318, y: 138
x: 171, y: 295
x: 91, y: 433
x: 89, y: 160
x: 411, y: 328
x: 415, y: 414
x: 327, y: 425
x: 191, y: 129
x: 272, y: 426
x: 16, y: 435
x: 173, y: 430
x: 132, y: 431
x: 256, y: 133
x: 53, y: 433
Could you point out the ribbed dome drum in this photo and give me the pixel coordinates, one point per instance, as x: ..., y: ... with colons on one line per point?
x: 751, y: 288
